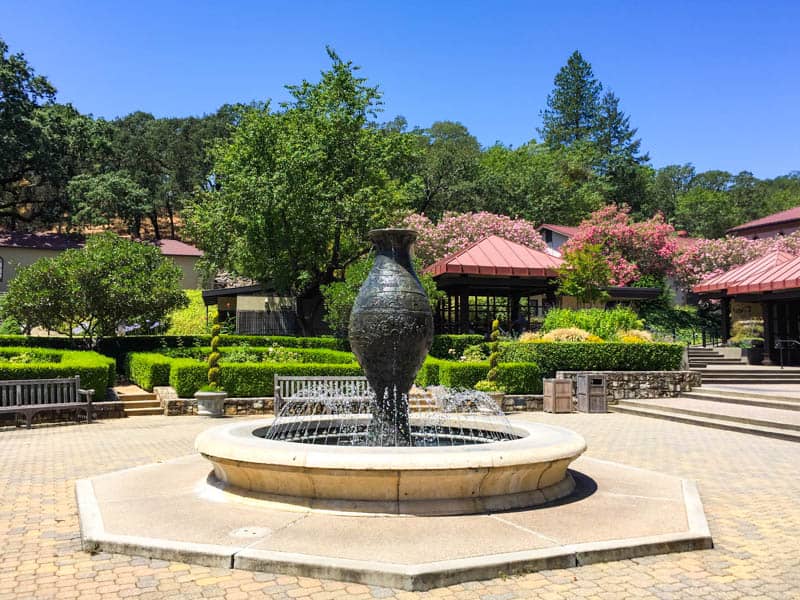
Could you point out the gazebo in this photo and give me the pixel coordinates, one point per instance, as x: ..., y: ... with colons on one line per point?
x: 773, y: 281
x: 495, y: 278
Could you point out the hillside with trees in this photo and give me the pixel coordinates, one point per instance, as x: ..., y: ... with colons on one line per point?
x: 285, y: 193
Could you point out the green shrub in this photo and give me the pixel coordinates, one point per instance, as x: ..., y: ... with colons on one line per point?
x: 96, y: 371
x: 583, y: 356
x: 442, y: 344
x: 263, y: 354
x: 429, y: 372
x: 520, y: 378
x: 461, y: 375
x: 244, y: 380
x: 147, y: 369
x: 600, y: 322
x: 187, y: 376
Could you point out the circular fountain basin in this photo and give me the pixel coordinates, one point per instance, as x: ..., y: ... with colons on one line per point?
x: 462, y: 479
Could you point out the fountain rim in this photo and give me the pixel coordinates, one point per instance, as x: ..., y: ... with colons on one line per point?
x: 235, y: 442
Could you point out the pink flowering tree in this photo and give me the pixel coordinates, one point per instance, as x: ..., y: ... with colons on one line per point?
x: 456, y: 231
x: 632, y: 249
x: 711, y: 257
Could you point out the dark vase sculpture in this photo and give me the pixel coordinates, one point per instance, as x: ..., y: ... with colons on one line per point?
x: 391, y: 330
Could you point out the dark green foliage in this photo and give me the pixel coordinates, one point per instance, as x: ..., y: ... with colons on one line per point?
x: 340, y: 296
x: 264, y: 354
x: 586, y: 356
x: 520, y: 378
x: 242, y: 380
x: 97, y: 372
x: 461, y: 375
x: 147, y: 370
x: 442, y: 344
x: 429, y: 372
x: 213, y: 376
x: 187, y: 376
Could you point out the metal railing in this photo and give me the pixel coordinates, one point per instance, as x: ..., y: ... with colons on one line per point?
x: 786, y: 344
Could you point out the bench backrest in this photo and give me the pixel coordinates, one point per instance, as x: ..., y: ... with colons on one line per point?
x: 30, y: 392
x: 296, y: 387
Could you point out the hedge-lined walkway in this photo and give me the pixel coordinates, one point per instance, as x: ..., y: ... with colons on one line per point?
x: 749, y: 486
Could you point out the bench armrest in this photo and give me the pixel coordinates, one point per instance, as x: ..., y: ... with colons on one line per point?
x: 88, y: 393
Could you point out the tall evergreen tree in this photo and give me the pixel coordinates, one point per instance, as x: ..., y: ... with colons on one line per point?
x: 613, y: 133
x: 572, y: 107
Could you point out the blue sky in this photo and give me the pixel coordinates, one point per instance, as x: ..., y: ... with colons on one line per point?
x: 716, y: 84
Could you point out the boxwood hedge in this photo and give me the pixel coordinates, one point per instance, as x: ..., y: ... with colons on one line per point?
x: 587, y: 356
x: 96, y: 371
x: 442, y: 344
x: 148, y: 369
x: 244, y: 380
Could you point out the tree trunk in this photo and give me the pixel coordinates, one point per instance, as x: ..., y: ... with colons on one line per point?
x: 154, y: 221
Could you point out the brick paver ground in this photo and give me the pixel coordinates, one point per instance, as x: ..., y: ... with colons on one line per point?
x: 749, y: 485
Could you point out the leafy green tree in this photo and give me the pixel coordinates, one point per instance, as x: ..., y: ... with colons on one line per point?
x: 666, y: 184
x: 98, y: 199
x: 449, y: 169
x: 543, y: 185
x: 572, y: 107
x: 585, y: 274
x: 96, y: 290
x: 706, y: 212
x: 301, y: 187
x: 340, y: 296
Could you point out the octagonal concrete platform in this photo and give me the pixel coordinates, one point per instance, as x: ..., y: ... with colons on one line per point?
x: 173, y: 511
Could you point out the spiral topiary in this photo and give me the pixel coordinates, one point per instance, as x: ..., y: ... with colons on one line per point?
x: 213, y: 358
x: 494, y: 347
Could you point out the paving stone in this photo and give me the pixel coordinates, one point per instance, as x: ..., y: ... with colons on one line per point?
x: 748, y: 485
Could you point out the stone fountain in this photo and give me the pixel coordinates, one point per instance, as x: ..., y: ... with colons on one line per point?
x: 289, y: 495
x: 375, y: 456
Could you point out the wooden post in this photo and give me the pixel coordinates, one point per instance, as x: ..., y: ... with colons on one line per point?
x: 725, y: 326
x: 769, y: 335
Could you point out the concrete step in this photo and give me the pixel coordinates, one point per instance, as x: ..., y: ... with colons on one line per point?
x: 747, y: 393
x: 761, y: 400
x: 747, y: 414
x: 137, y: 396
x: 772, y: 432
x: 748, y: 381
x: 143, y: 411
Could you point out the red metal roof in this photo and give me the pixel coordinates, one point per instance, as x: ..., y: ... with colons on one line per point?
x: 743, y: 273
x: 783, y: 276
x: 40, y: 241
x: 60, y: 241
x: 785, y: 216
x: 496, y: 256
x: 566, y: 230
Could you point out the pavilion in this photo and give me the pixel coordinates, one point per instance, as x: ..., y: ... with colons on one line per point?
x: 771, y: 282
x: 497, y: 278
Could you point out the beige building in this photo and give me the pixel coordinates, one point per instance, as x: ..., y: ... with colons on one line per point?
x: 19, y: 250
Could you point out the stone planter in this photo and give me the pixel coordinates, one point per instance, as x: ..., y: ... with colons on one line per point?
x: 498, y: 397
x: 211, y: 404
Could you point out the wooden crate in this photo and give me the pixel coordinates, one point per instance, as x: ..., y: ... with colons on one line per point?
x: 557, y: 396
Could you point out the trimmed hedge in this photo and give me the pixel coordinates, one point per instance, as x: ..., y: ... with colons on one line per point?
x: 96, y: 371
x: 429, y: 372
x: 307, y: 355
x: 148, y: 369
x: 520, y: 378
x: 443, y: 343
x: 587, y: 356
x: 463, y: 375
x: 244, y: 380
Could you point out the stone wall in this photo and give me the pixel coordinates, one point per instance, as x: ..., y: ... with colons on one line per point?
x: 515, y: 403
x: 627, y: 385
x: 174, y: 406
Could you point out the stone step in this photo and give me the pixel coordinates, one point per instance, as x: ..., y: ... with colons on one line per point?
x: 748, y: 381
x: 771, y: 432
x: 145, y: 403
x: 139, y: 412
x: 747, y: 414
x: 761, y: 400
x: 138, y: 396
x: 746, y: 393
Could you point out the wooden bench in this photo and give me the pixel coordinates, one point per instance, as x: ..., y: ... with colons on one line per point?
x: 297, y: 387
x: 32, y: 396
